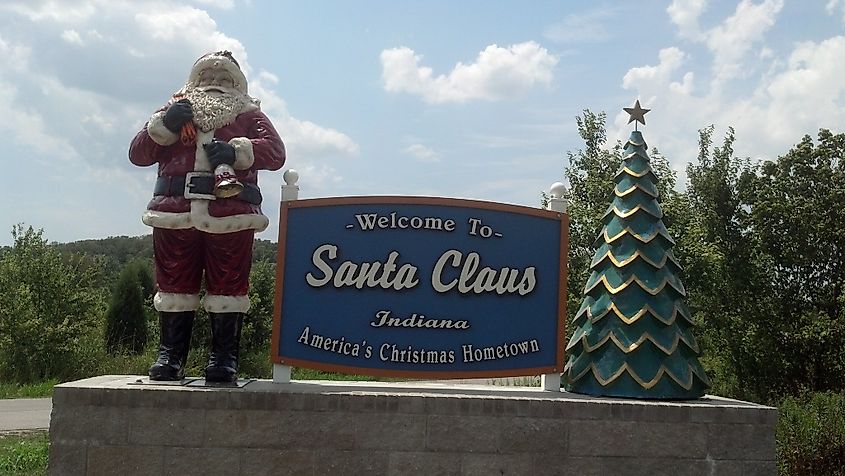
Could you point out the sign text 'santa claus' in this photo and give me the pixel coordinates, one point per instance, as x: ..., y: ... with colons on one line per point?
x: 392, y: 274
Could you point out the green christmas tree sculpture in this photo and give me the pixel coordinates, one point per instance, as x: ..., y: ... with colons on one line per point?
x: 633, y: 335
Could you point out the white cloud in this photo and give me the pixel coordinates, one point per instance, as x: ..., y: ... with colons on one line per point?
x: 30, y: 127
x: 223, y: 4
x: 304, y: 139
x: 686, y: 85
x: 809, y: 91
x: 422, y: 153
x: 587, y: 27
x: 799, y: 95
x: 320, y: 177
x: 684, y: 14
x: 100, y: 122
x: 643, y: 76
x: 731, y: 40
x: 738, y: 51
x: 497, y: 73
x: 72, y: 36
x: 16, y: 56
x: 64, y: 12
x: 834, y: 5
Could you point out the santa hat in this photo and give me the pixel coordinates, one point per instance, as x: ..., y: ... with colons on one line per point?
x: 223, y: 60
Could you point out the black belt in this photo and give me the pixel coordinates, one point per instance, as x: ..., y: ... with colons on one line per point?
x: 202, y: 185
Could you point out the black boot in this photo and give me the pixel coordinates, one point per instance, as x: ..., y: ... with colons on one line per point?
x: 225, y: 342
x: 174, y: 345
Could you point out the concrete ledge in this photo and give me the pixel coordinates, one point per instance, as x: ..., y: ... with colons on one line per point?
x: 105, y: 426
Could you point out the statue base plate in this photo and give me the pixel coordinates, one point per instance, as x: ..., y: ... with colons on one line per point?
x: 189, y: 382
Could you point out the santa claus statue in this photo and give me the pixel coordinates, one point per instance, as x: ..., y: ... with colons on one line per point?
x: 209, y: 142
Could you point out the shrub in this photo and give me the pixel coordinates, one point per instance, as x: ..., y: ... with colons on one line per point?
x: 811, y: 435
x: 126, y: 321
x: 47, y: 306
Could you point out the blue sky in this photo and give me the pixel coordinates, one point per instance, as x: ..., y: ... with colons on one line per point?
x: 470, y: 99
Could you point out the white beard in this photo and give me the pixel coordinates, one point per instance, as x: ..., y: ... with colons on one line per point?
x: 213, y: 111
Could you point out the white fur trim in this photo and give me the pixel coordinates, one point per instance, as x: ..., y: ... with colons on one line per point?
x: 168, y: 220
x: 173, y: 302
x: 199, y: 218
x: 201, y: 163
x: 244, y: 156
x: 158, y: 133
x: 204, y: 222
x: 216, y: 303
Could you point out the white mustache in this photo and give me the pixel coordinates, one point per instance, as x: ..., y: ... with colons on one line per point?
x: 223, y: 89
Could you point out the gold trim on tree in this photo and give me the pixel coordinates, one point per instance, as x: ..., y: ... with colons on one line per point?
x: 635, y: 174
x: 676, y: 311
x: 646, y: 385
x: 621, y: 214
x: 642, y: 238
x: 634, y: 346
x: 637, y: 254
x: 653, y: 291
x: 636, y: 186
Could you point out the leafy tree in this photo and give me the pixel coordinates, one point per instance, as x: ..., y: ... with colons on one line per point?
x: 589, y: 174
x: 142, y: 267
x: 717, y: 250
x: 111, y: 254
x: 47, y: 307
x: 264, y: 250
x: 763, y: 250
x: 126, y: 321
x: 797, y: 213
x: 122, y: 249
x: 258, y: 324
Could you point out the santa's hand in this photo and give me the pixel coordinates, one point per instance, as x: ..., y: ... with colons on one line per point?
x: 219, y: 152
x: 177, y: 115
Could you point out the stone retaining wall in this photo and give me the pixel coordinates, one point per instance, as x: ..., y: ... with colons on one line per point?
x: 105, y: 426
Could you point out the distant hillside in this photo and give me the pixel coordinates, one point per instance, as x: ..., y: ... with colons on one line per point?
x: 119, y: 250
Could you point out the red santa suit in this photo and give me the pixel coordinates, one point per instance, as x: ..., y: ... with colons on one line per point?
x: 195, y: 233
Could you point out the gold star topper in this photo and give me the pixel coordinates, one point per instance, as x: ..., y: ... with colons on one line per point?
x: 637, y: 114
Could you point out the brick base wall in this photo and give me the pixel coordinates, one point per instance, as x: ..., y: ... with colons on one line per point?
x: 105, y: 426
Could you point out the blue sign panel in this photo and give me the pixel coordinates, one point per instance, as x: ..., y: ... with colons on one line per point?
x: 420, y: 287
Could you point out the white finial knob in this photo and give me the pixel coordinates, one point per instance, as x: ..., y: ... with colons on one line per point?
x: 557, y: 190
x: 291, y: 176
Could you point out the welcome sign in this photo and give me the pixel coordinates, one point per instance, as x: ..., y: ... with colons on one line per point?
x: 420, y: 287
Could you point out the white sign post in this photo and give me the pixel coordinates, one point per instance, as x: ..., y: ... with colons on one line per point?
x: 290, y: 191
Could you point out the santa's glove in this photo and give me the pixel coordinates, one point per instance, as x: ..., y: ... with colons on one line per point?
x: 219, y: 152
x: 177, y: 115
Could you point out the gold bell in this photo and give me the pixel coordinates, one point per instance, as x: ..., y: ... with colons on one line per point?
x: 226, y: 183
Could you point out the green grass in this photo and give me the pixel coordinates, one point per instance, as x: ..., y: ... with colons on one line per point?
x: 37, y: 390
x: 24, y: 454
